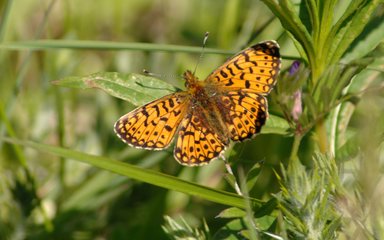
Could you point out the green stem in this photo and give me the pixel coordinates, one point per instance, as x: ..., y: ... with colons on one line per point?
x: 5, y: 122
x: 321, y: 132
x: 295, y: 147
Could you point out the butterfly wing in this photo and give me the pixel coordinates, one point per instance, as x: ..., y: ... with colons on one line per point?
x: 255, y: 69
x: 241, y: 83
x: 243, y: 112
x: 153, y: 125
x: 197, y: 142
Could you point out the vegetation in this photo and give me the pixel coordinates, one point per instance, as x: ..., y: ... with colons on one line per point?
x: 316, y: 171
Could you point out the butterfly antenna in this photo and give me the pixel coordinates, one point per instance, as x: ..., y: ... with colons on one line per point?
x: 161, y: 76
x: 202, y: 51
x: 148, y: 73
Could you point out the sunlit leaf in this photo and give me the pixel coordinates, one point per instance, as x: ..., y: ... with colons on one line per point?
x: 137, y: 89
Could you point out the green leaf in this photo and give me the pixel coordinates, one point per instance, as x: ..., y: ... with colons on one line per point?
x: 231, y: 180
x: 290, y: 20
x: 144, y: 175
x: 368, y: 40
x: 340, y: 27
x: 267, y: 208
x: 253, y: 174
x: 182, y: 230
x: 232, y: 213
x: 265, y: 222
x: 231, y: 230
x: 137, y: 89
x: 351, y: 28
x: 275, y: 125
x: 348, y: 150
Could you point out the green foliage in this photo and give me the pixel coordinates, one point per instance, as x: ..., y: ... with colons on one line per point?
x: 314, y: 172
x: 184, y: 231
x: 132, y: 88
x: 306, y: 199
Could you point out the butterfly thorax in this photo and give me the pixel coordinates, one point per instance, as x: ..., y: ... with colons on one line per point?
x: 202, y: 97
x: 191, y: 81
x: 197, y: 89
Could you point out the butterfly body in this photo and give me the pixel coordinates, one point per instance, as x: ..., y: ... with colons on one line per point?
x: 203, y: 102
x: 229, y: 105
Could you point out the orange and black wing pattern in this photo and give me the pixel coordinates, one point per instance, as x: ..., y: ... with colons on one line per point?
x: 153, y: 125
x: 255, y: 69
x: 229, y: 105
x: 197, y: 143
x: 244, y: 113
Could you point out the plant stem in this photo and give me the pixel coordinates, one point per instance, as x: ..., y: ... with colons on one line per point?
x: 321, y: 132
x: 295, y: 146
x: 229, y: 170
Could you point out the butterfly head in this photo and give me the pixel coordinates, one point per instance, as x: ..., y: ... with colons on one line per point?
x: 190, y: 79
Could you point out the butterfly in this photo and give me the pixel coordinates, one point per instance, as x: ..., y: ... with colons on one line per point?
x: 229, y: 105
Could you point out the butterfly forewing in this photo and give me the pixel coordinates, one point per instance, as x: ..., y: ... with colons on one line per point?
x: 153, y: 125
x: 255, y: 69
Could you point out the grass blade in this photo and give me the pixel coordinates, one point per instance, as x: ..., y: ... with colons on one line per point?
x: 105, y: 45
x: 144, y: 175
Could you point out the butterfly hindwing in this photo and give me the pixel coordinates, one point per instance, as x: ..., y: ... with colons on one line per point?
x: 153, y: 125
x: 197, y: 143
x: 244, y: 113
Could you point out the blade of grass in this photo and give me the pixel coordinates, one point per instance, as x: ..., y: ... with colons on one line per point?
x: 4, y: 18
x: 112, y: 46
x: 145, y: 175
x: 105, y: 45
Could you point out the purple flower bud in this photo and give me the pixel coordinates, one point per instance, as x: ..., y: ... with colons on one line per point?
x: 294, y: 67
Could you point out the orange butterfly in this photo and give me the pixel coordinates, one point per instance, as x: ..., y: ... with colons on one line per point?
x: 229, y: 105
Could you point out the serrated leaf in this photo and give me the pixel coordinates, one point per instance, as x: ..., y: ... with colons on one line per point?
x: 135, y: 88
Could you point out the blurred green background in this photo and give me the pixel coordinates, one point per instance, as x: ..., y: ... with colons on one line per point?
x: 80, y: 199
x: 45, y: 197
